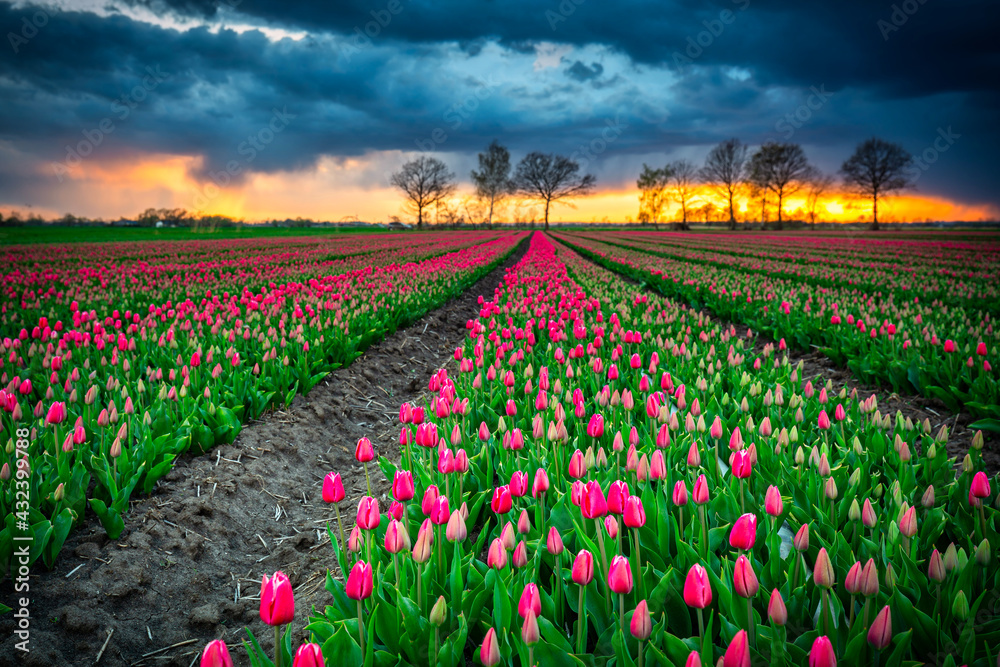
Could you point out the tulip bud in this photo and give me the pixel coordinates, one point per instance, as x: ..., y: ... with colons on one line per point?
x: 776, y: 609
x: 496, y: 557
x: 773, y: 504
x: 982, y: 554
x: 439, y: 612
x: 890, y: 577
x: 277, y: 605
x: 489, y: 654
x: 801, y: 539
x: 935, y: 568
x: 697, y: 589
x: 823, y: 575
x: 745, y: 582
x: 530, y: 601
x: 216, y: 654
x: 738, y: 651
x: 554, y: 542
x: 583, y: 568
x: 744, y: 532
x: 868, y: 581
x: 642, y: 624
x: 821, y: 654
x: 880, y: 633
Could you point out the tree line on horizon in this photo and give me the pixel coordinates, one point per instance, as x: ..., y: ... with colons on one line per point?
x: 769, y: 175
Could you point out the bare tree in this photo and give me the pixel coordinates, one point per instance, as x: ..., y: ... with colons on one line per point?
x: 492, y: 181
x: 725, y: 171
x: 683, y: 180
x: 785, y: 169
x: 652, y: 184
x: 759, y: 182
x: 425, y: 181
x: 876, y: 169
x: 549, y: 178
x: 818, y: 185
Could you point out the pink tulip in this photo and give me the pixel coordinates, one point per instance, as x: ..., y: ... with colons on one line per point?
x: 530, y: 600
x: 880, y: 633
x: 554, y: 542
x: 744, y: 532
x: 700, y: 493
x: 277, y: 605
x: 641, y: 625
x: 594, y: 505
x: 402, y: 486
x: 583, y: 568
x: 333, y: 488
x: 821, y: 654
x: 776, y: 609
x: 502, y: 501
x: 745, y: 582
x: 489, y: 653
x: 359, y: 582
x: 369, y: 515
x: 620, y: 576
x: 496, y: 557
x: 216, y: 654
x: 697, y: 589
x: 618, y: 493
x: 540, y: 484
x: 680, y: 495
x: 309, y: 655
x: 773, y: 504
x: 738, y: 652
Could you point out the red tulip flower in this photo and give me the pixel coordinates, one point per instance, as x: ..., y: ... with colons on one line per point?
x: 742, y: 464
x: 518, y: 484
x: 309, y: 655
x: 333, y: 488
x: 277, y: 605
x: 697, y: 589
x: 502, y: 501
x: 56, y: 413
x: 617, y: 494
x: 634, y: 514
x: 821, y: 654
x: 364, y: 452
x: 620, y: 576
x: 583, y: 568
x: 216, y: 654
x: 369, y: 515
x: 402, y: 486
x: 530, y: 600
x: 594, y: 505
x: 738, y: 652
x: 744, y: 532
x: 359, y: 582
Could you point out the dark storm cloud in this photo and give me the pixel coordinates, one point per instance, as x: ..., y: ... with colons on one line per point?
x: 730, y: 68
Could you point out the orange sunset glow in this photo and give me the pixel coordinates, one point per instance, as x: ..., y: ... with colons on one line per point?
x: 336, y: 190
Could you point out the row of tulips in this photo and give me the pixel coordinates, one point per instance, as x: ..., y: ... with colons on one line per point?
x: 884, y: 334
x: 610, y: 478
x: 114, y: 396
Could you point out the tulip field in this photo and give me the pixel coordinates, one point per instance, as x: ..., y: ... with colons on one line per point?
x: 614, y: 470
x: 117, y: 358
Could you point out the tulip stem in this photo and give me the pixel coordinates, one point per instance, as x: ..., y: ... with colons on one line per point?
x: 434, y: 648
x: 638, y: 562
x: 743, y: 502
x: 982, y: 517
x: 368, y: 479
x: 361, y: 631
x: 604, y: 558
x: 701, y: 624
x: 640, y: 653
x: 558, y: 587
x: 420, y: 598
x: 850, y: 618
x: 621, y: 615
x: 795, y: 571
x: 704, y: 530
x: 277, y: 645
x: 343, y: 542
x: 750, y: 624
x: 826, y: 612
x: 581, y: 631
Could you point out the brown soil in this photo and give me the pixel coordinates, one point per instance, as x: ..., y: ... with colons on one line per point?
x: 188, y: 567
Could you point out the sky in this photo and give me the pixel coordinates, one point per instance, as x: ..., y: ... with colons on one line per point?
x: 264, y: 109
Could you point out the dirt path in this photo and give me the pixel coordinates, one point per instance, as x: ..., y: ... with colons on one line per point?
x: 188, y: 567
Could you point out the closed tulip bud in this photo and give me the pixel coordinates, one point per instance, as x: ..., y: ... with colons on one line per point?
x: 641, y: 625
x: 776, y: 609
x: 277, y: 605
x: 530, y: 600
x: 518, y: 484
x: 395, y: 540
x: 908, y: 523
x: 635, y: 514
x: 890, y: 577
x: 830, y: 488
x: 868, y: 517
x: 935, y: 568
x: 56, y: 413
x: 960, y: 606
x: 745, y: 582
x: 540, y: 484
x: 773, y: 504
x: 425, y: 538
x: 738, y: 651
x: 577, y: 466
x: 680, y: 495
x: 369, y: 515
x: 823, y: 570
x: 333, y: 488
x: 554, y: 542
x: 744, y: 532
x: 496, y: 557
x: 880, y: 633
x: 583, y: 568
x: 852, y: 582
x: 618, y: 492
x: 364, y: 451
x: 611, y: 525
x: 456, y: 530
x: 821, y: 654
x: 507, y: 536
x: 594, y: 505
x: 980, y: 487
x: 693, y: 660
x: 983, y: 554
x: 869, y: 579
x: 529, y: 629
x: 697, y: 589
x: 216, y: 654
x: 967, y: 463
x: 309, y: 655
x: 354, y: 540
x: 642, y: 470
x: 439, y: 612
x: 620, y: 575
x: 657, y: 466
x: 700, y: 493
x: 977, y: 441
x: 489, y: 653
x: 950, y: 558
